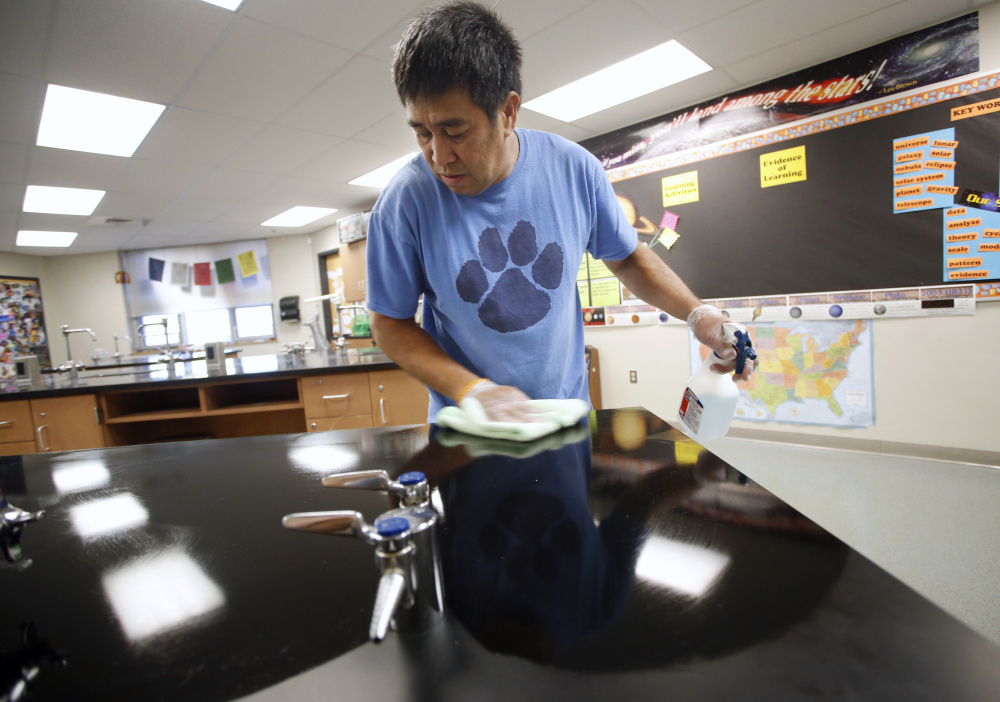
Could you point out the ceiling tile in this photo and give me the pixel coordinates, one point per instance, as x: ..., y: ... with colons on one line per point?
x: 227, y: 184
x: 258, y: 71
x: 557, y: 56
x: 13, y: 162
x: 358, y: 95
x: 196, y: 137
x: 279, y: 150
x: 140, y: 49
x: 73, y: 169
x: 133, y: 205
x: 683, y: 15
x: 286, y: 193
x: 763, y: 25
x: 392, y: 131
x: 351, y: 24
x: 159, y: 177
x: 21, y: 102
x: 11, y: 196
x: 347, y: 161
x: 529, y: 18
x: 23, y: 26
x: 841, y: 39
x: 197, y: 208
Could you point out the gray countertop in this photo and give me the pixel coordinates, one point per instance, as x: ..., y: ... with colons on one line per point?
x: 105, y: 377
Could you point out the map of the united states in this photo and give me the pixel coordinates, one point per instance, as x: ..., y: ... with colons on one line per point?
x: 806, y: 368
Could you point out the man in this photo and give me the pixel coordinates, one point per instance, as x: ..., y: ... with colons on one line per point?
x: 489, y: 224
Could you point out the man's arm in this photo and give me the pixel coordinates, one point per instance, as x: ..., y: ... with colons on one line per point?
x: 652, y: 280
x: 645, y: 274
x: 418, y: 354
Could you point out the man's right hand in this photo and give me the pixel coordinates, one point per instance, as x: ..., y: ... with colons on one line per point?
x: 500, y: 403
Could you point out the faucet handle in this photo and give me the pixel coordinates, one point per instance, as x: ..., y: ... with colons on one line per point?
x: 411, y: 487
x: 337, y: 523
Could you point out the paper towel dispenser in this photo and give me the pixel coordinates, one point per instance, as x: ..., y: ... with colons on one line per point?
x: 288, y: 308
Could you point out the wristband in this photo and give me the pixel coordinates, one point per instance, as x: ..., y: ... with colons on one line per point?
x: 465, y: 391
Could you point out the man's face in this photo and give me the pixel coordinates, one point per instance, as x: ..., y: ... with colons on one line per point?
x: 464, y: 148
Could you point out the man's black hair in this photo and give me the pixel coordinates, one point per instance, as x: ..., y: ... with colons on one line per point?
x: 458, y: 45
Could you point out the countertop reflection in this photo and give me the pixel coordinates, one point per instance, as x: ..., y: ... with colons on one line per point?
x: 616, y: 557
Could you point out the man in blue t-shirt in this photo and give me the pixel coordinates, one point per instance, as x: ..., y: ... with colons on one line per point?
x: 489, y: 223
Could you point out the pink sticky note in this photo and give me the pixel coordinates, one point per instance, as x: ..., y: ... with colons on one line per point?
x: 669, y: 220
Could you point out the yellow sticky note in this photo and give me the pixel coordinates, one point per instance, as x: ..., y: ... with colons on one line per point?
x: 780, y: 167
x: 680, y: 188
x: 605, y: 292
x: 583, y: 287
x: 597, y: 268
x: 248, y: 264
x: 668, y: 237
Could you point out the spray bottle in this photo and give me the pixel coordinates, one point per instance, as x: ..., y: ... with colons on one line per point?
x: 709, y: 400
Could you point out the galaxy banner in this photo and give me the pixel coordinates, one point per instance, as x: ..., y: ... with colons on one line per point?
x: 928, y: 56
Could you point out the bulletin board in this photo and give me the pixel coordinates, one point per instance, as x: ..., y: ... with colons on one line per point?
x: 22, y: 323
x: 827, y: 204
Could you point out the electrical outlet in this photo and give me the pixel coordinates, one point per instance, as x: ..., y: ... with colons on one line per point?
x: 633, y: 376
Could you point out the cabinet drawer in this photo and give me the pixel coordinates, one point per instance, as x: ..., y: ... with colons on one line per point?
x: 16, y: 448
x: 15, y: 421
x: 350, y: 421
x: 336, y: 395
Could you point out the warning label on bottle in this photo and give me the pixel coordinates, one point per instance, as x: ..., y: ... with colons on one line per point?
x: 691, y: 410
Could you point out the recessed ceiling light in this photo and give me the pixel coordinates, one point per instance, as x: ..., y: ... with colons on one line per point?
x: 80, y: 120
x: 228, y: 4
x: 32, y: 238
x: 380, y: 177
x: 68, y: 201
x: 643, y: 73
x: 298, y: 217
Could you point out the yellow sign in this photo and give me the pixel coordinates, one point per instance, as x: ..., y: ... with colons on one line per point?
x: 583, y: 287
x: 597, y: 268
x: 605, y: 292
x: 780, y: 167
x: 248, y: 263
x: 581, y: 272
x: 680, y: 188
x: 980, y: 108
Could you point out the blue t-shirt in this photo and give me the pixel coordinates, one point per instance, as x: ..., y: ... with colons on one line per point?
x: 498, y: 270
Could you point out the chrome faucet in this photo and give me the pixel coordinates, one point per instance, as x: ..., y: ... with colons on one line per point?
x: 410, y: 593
x: 71, y: 365
x: 166, y: 335
x: 118, y: 353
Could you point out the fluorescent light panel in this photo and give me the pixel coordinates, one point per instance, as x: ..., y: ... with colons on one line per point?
x: 643, y: 73
x: 298, y: 216
x: 681, y: 567
x: 67, y: 201
x: 227, y: 4
x: 79, y: 120
x: 53, y: 239
x: 380, y: 177
x: 107, y: 515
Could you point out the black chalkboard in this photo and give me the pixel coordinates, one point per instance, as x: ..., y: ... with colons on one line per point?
x: 834, y: 231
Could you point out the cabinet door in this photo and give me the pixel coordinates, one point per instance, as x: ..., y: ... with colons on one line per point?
x: 15, y: 422
x: 336, y: 395
x: 353, y: 262
x: 67, y: 423
x: 397, y: 398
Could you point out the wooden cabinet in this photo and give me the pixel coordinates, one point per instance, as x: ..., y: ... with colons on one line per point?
x: 67, y: 423
x: 17, y: 433
x: 397, y: 398
x: 337, y: 401
x: 353, y: 263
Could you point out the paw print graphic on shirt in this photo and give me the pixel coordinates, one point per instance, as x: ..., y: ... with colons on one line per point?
x: 509, y: 282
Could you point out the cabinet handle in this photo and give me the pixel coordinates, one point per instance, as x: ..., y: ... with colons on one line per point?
x: 313, y: 425
x: 41, y: 441
x: 7, y: 422
x: 97, y: 415
x: 337, y: 397
x: 381, y: 409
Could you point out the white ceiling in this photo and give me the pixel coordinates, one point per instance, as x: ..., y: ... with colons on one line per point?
x: 285, y: 101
